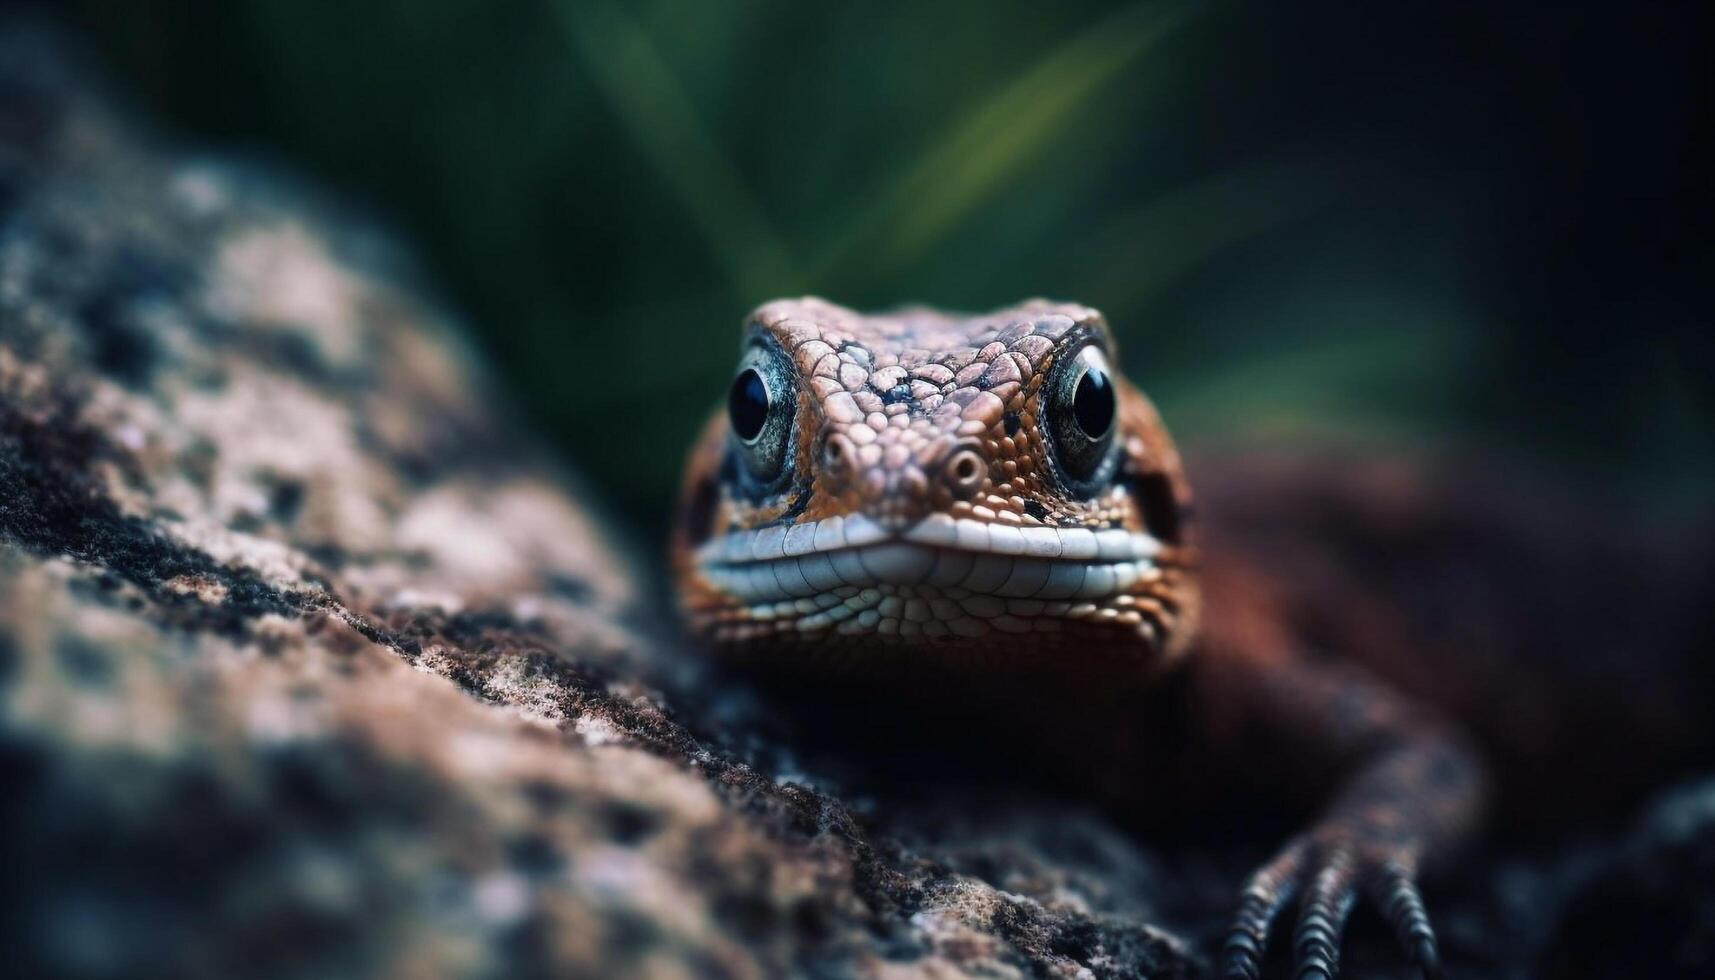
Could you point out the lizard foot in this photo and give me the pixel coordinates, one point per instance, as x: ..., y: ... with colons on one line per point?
x: 1330, y: 874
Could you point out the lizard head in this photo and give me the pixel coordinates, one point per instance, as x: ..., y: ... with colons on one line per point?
x: 919, y: 483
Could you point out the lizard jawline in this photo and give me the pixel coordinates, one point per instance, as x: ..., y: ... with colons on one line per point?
x: 939, y: 578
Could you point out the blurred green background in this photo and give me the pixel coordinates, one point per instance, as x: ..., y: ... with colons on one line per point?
x: 1487, y: 225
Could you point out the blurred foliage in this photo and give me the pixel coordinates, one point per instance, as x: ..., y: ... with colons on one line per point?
x: 1486, y: 224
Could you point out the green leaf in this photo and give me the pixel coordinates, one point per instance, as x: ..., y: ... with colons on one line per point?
x: 648, y: 101
x: 995, y: 140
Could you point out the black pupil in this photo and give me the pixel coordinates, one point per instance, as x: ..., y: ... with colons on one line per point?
x: 1093, y: 403
x: 747, y: 404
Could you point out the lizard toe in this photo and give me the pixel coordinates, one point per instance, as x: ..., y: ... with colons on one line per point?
x: 1265, y: 894
x: 1396, y: 894
x: 1322, y: 918
x: 1330, y: 877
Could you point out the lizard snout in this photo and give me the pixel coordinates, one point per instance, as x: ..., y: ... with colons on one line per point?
x: 899, y: 475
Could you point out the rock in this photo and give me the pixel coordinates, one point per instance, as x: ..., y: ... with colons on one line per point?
x: 313, y: 664
x: 1649, y: 910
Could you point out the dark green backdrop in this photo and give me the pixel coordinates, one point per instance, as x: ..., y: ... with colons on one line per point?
x: 1489, y: 224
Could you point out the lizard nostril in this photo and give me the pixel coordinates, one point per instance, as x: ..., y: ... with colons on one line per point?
x: 838, y: 456
x: 965, y: 470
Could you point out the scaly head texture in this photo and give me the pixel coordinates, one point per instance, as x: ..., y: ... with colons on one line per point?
x: 920, y: 484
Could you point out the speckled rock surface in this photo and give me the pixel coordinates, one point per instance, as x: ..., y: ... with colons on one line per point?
x: 312, y: 665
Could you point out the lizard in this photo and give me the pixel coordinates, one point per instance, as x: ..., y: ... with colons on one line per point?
x: 986, y: 504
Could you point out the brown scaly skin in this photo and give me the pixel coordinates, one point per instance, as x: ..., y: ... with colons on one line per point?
x: 917, y: 496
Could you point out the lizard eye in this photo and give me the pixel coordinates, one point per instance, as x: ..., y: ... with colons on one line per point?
x: 1081, y: 412
x: 747, y: 405
x: 760, y: 410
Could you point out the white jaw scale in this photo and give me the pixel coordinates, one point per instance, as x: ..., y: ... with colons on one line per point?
x: 940, y: 577
x: 937, y: 530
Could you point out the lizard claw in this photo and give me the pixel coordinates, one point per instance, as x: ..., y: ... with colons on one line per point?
x: 1396, y: 894
x: 1330, y: 877
x: 1264, y: 895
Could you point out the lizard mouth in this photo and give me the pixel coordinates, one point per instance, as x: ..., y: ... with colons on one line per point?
x: 939, y: 578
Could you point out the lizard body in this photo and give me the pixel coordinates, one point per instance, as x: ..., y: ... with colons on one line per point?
x: 986, y: 504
